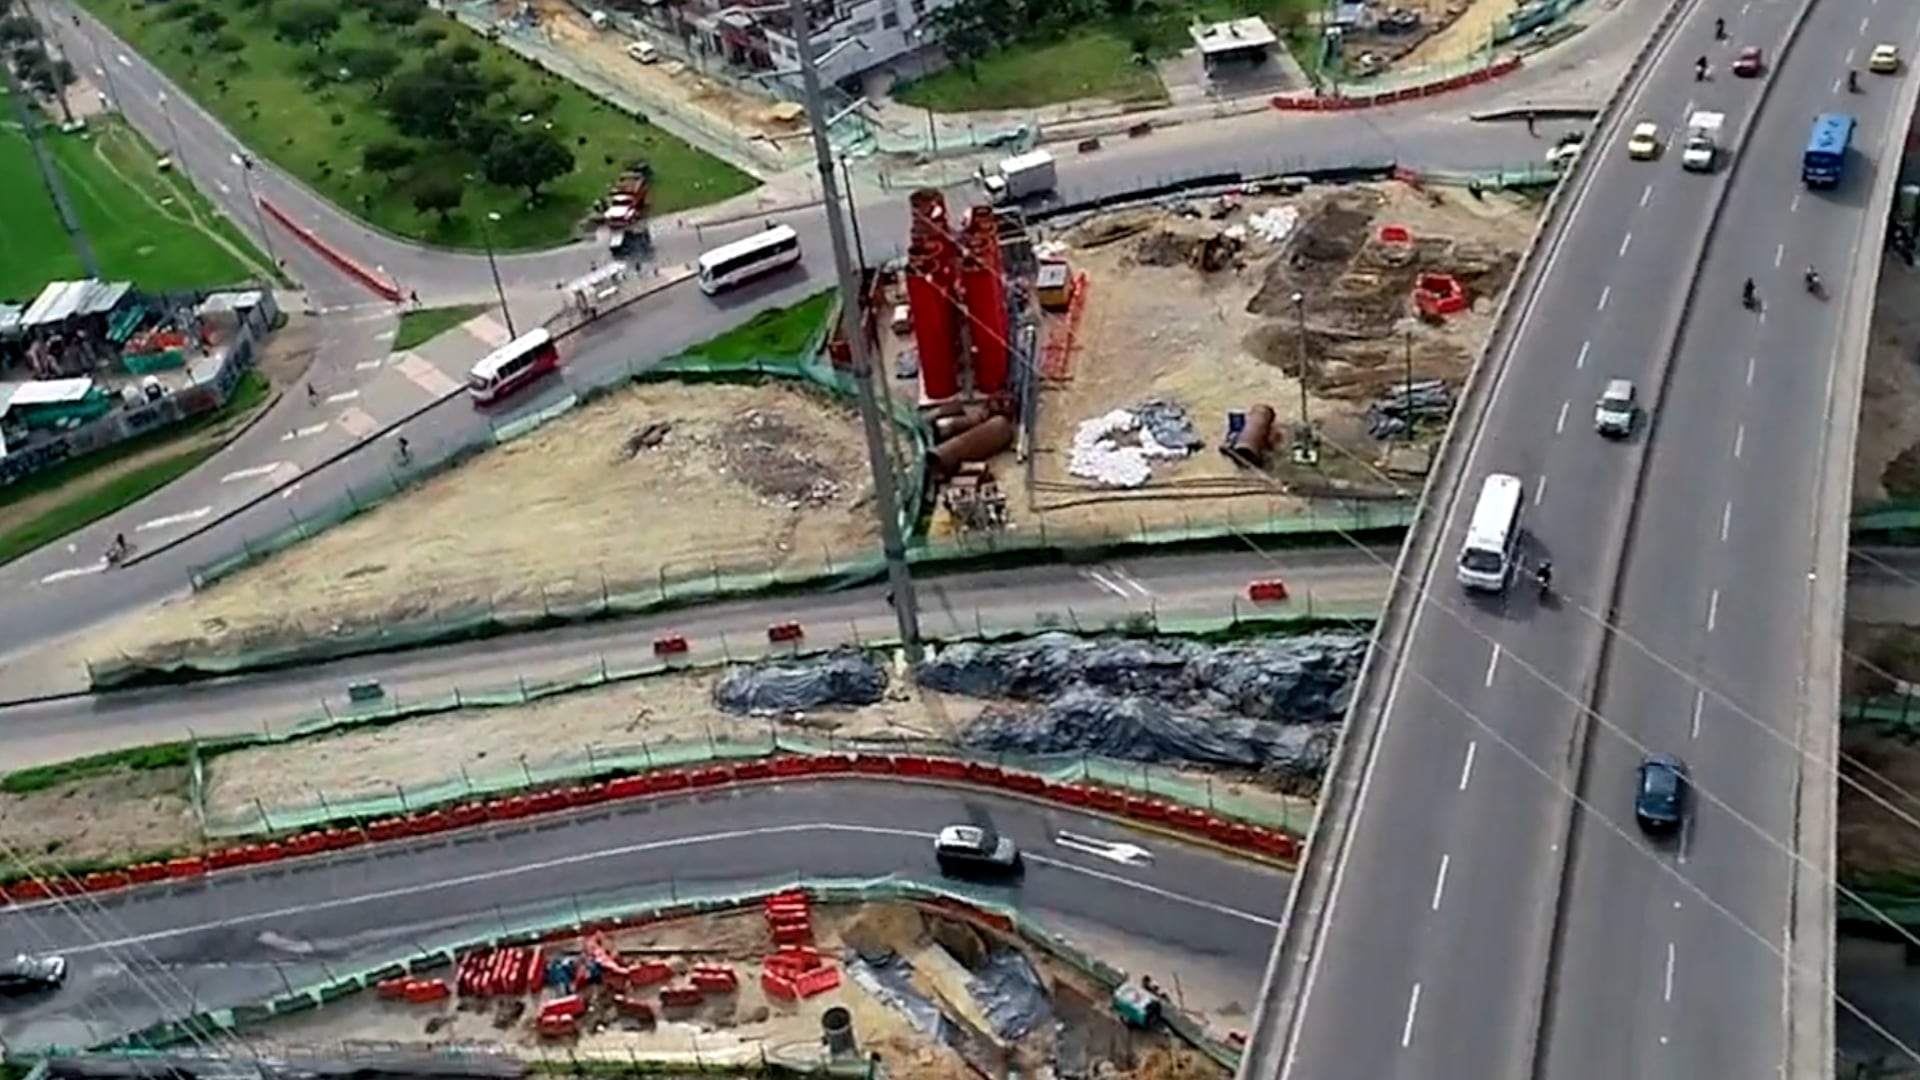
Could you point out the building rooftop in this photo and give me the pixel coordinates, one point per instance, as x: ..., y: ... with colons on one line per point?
x: 1237, y: 35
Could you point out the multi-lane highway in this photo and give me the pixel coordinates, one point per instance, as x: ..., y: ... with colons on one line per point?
x: 1463, y: 935
x: 244, y: 937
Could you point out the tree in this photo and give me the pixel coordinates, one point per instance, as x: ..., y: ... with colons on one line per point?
x: 207, y: 23
x: 387, y: 156
x: 396, y: 13
x: 464, y: 54
x: 372, y: 63
x: 307, y: 22
x: 17, y: 30
x: 437, y: 100
x: 439, y: 195
x: 526, y: 159
x: 226, y: 43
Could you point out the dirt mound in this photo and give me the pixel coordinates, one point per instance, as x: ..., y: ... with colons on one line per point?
x: 1319, y: 252
x: 773, y: 455
x: 881, y: 930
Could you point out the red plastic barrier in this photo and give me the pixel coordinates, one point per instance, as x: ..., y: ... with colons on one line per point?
x: 795, y: 958
x: 628, y: 787
x: 393, y: 989
x: 912, y: 766
x: 634, y: 1007
x: 421, y: 991
x: 681, y: 997
x: 672, y: 780
x: 571, y: 1006
x: 31, y: 889
x: 1067, y: 793
x: 874, y: 765
x: 946, y: 769
x: 670, y: 646
x: 817, y: 981
x: 785, y: 631
x: 386, y: 829
x: 1271, y: 591
x: 1146, y: 809
x: 1025, y: 783
x: 650, y: 973
x: 557, y: 1027
x: 752, y: 770
x: 777, y: 986
x: 380, y: 286
x: 714, y: 978
x: 1395, y: 234
x: 106, y: 879
x: 146, y: 872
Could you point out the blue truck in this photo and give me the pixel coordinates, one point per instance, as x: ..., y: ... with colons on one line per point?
x: 1826, y: 158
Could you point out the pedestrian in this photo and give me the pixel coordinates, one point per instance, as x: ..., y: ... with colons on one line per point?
x: 1531, y: 129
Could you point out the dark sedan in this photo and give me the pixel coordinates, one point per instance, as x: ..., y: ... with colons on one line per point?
x: 1662, y: 795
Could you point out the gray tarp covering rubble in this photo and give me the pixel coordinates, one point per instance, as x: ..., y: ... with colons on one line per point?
x: 1009, y: 993
x: 890, y: 979
x: 1136, y: 728
x: 845, y: 677
x: 1169, y: 424
x: 1302, y: 679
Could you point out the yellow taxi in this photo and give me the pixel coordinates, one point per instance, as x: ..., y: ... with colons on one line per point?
x: 1644, y: 143
x: 1885, y: 60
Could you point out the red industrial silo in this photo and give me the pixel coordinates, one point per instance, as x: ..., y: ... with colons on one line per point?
x: 933, y: 295
x: 985, y: 285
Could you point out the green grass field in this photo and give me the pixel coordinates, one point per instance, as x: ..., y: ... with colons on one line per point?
x: 145, y: 226
x: 419, y: 327
x: 317, y: 135
x: 774, y: 334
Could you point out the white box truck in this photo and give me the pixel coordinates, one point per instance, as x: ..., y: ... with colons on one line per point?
x: 1021, y: 177
x: 1702, y: 150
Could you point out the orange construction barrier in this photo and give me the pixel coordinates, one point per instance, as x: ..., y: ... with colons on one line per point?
x: 785, y: 631
x: 670, y: 646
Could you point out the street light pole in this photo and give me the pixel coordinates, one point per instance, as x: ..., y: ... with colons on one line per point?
x: 851, y: 306
x: 56, y: 191
x: 1409, y: 404
x: 173, y: 134
x: 493, y: 265
x: 253, y: 200
x: 1304, y: 451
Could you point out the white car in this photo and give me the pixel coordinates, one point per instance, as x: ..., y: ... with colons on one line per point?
x: 645, y: 52
x: 1885, y: 60
x: 1644, y: 143
x: 1614, y: 416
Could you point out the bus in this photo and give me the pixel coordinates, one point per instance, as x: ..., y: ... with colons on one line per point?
x: 512, y: 366
x: 729, y: 265
x: 1826, y: 157
x: 1486, y: 559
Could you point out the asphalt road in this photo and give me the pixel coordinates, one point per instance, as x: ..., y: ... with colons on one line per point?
x: 1435, y: 949
x: 244, y: 937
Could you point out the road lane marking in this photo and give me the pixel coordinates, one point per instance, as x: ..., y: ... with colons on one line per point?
x: 1667, y: 993
x: 1440, y: 883
x: 1413, y: 1010
x: 342, y: 397
x: 1604, y: 294
x: 1794, y: 206
x: 1836, y: 85
x: 1726, y: 520
x: 425, y: 376
x: 224, y: 189
x: 1138, y: 587
x: 545, y: 868
x: 1779, y: 254
x: 1713, y: 609
x: 1540, y: 489
x: 74, y: 572
x: 1699, y: 703
x: 1863, y: 28
x: 1739, y: 439
x: 173, y: 519
x: 1560, y: 425
x: 248, y: 474
x: 367, y: 365
x: 1581, y: 360
x: 1466, y: 768
x: 1625, y: 243
x: 124, y: 62
x: 307, y: 432
x: 1750, y: 366
x: 1864, y: 19
x: 1493, y: 664
x: 1645, y: 194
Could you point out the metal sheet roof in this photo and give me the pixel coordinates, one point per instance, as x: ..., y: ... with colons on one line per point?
x: 63, y: 300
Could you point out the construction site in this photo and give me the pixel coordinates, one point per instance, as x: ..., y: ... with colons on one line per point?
x: 1199, y: 361
x: 928, y: 990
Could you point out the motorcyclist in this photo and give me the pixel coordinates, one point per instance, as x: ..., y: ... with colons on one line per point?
x: 404, y: 451
x: 1719, y: 29
x: 117, y: 550
x: 1853, y: 81
x: 1813, y: 279
x: 1746, y: 293
x: 1700, y: 69
x: 1543, y: 574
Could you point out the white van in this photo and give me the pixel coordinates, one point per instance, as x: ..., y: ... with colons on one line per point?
x: 1486, y: 559
x: 644, y: 52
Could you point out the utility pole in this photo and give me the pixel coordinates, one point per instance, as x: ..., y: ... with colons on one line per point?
x: 851, y: 305
x: 48, y: 175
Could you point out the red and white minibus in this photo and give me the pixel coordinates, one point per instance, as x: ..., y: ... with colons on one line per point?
x: 512, y: 366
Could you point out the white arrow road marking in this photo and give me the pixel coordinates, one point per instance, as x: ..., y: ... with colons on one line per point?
x: 74, y: 572
x: 1124, y: 854
x: 173, y: 519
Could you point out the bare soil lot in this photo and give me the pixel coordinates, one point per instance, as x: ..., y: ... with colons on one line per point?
x: 1156, y: 325
x: 661, y: 480
x: 1888, y: 453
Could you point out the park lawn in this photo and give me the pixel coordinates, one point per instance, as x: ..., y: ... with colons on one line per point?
x: 1095, y: 62
x: 48, y: 505
x: 781, y: 333
x: 419, y: 327
x: 136, y: 232
x: 317, y: 135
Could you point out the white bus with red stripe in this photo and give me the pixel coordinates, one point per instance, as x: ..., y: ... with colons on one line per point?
x: 743, y: 260
x: 512, y: 366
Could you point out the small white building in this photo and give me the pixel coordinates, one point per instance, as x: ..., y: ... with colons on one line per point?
x: 1238, y: 43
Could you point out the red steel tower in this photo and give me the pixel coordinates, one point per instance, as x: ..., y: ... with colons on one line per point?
x: 985, y: 285
x: 933, y: 294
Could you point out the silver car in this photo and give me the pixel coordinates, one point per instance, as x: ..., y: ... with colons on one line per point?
x: 969, y: 851
x: 1619, y: 404
x: 32, y: 974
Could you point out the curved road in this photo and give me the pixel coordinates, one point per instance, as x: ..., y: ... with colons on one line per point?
x: 1434, y: 956
x: 143, y: 956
